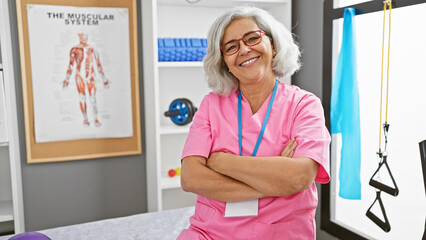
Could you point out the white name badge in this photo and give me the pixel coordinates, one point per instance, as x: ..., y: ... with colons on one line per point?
x: 242, y: 209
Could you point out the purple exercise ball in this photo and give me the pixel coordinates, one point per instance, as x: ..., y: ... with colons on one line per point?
x: 30, y: 236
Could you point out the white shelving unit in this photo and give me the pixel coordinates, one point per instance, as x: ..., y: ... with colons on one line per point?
x: 170, y: 183
x: 164, y: 130
x: 166, y: 81
x: 6, y: 211
x: 179, y: 64
x: 11, y: 200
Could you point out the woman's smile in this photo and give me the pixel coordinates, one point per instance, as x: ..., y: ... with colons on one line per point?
x: 249, y: 62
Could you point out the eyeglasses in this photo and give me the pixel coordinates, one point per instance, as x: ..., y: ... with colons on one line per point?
x: 249, y: 39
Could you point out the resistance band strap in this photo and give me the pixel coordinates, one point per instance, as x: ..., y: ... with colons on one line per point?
x: 345, y: 111
x: 383, y: 155
x: 265, y: 121
x: 387, y: 75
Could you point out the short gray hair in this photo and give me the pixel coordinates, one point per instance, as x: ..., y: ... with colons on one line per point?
x: 285, y: 62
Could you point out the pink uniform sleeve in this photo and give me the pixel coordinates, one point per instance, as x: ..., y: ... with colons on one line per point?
x: 312, y: 137
x: 199, y: 140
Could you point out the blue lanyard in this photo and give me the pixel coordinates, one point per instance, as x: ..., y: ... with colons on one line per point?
x: 265, y: 121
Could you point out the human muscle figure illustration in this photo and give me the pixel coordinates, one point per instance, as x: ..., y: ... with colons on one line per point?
x: 85, y: 76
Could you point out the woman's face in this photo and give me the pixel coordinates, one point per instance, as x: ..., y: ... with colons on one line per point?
x: 249, y: 64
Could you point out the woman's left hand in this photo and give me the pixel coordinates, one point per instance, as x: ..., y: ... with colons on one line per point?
x: 289, y: 149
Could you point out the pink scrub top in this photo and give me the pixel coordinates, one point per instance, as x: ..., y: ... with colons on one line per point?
x: 295, y: 113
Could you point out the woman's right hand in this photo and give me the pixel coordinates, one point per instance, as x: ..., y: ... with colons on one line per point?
x: 289, y: 149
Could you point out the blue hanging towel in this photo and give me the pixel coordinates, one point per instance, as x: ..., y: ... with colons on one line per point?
x: 344, y: 111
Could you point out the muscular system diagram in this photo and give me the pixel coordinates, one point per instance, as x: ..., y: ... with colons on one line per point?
x: 85, y: 63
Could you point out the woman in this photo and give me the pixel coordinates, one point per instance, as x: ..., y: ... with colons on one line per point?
x: 256, y: 145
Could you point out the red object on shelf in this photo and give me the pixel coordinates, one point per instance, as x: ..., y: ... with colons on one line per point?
x: 172, y: 173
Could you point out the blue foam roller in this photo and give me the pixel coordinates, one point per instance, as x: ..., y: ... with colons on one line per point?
x: 160, y: 43
x: 196, y: 42
x: 177, y: 43
x: 169, y: 42
x: 204, y: 42
x: 188, y: 42
x: 181, y: 49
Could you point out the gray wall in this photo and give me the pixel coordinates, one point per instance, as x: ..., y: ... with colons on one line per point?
x: 57, y: 194
x: 307, y: 19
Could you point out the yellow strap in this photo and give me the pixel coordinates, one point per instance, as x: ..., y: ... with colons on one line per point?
x: 385, y: 3
x: 387, y: 75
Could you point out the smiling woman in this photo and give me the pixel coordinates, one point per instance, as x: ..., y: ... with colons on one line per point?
x: 256, y: 145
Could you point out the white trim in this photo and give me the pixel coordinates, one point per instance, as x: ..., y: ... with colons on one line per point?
x: 170, y: 129
x: 151, y: 100
x: 180, y: 64
x: 221, y: 3
x: 12, y: 116
x: 6, y: 211
x: 170, y: 182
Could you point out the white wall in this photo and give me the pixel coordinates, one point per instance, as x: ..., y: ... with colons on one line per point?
x: 407, y: 118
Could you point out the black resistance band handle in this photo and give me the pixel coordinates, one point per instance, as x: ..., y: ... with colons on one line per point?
x: 384, y: 225
x: 390, y: 190
x: 384, y: 188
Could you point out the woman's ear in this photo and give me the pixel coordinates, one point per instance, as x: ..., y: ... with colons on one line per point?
x: 273, y: 50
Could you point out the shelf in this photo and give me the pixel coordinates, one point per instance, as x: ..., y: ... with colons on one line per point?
x: 180, y: 64
x: 4, y: 144
x: 174, y: 129
x: 6, y: 211
x: 219, y: 3
x: 170, y: 182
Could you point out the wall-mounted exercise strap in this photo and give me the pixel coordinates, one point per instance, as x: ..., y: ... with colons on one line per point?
x: 383, y: 154
x: 384, y: 225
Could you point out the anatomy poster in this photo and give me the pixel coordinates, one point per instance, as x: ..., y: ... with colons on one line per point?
x: 3, y: 126
x: 80, y: 67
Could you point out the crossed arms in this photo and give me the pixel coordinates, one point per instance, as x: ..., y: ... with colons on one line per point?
x: 229, y: 178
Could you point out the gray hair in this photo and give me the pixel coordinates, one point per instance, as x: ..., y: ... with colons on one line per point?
x: 285, y: 62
